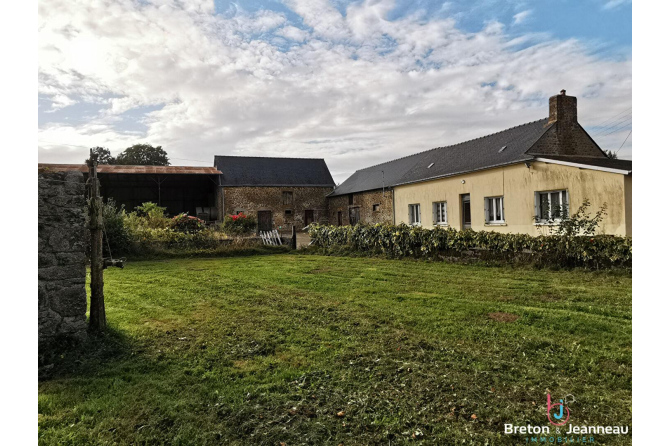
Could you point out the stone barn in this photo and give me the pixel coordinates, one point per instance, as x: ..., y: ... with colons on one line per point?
x: 279, y: 192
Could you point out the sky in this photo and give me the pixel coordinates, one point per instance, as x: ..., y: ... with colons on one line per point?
x: 354, y: 82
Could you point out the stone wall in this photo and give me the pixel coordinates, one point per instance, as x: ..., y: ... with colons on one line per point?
x: 61, y: 256
x: 250, y: 200
x: 373, y: 207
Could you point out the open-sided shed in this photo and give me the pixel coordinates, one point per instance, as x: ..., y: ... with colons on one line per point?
x: 177, y: 188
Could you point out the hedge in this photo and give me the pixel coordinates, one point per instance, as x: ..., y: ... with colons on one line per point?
x: 400, y: 241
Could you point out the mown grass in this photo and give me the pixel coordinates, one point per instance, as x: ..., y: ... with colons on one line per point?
x: 319, y: 350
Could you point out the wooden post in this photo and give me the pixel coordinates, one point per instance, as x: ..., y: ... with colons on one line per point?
x: 294, y: 242
x: 98, y: 320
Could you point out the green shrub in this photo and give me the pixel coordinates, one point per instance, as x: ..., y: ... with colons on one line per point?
x: 239, y: 224
x: 116, y: 237
x: 188, y: 224
x: 151, y: 215
x: 412, y: 241
x: 147, y: 230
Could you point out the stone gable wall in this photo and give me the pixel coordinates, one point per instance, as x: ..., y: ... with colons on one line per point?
x: 270, y: 198
x: 61, y: 256
x: 566, y: 139
x: 364, y: 201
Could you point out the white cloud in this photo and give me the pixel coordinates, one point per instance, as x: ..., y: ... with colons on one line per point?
x: 293, y: 33
x: 521, y: 16
x: 356, y: 89
x: 612, y: 4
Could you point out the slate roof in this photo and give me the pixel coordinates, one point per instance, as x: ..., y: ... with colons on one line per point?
x: 107, y: 168
x: 607, y: 163
x: 261, y: 171
x: 476, y: 154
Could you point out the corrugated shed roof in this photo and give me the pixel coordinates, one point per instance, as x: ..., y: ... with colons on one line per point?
x: 607, y: 163
x: 163, y: 170
x: 262, y: 171
x: 505, y: 147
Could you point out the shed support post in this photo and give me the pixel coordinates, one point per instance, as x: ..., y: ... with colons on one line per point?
x: 294, y: 243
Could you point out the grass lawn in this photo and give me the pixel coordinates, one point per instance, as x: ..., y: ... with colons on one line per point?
x: 305, y: 349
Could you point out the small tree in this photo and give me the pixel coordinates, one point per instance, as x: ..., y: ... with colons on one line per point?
x: 103, y: 154
x: 579, y: 223
x: 611, y: 155
x: 143, y: 155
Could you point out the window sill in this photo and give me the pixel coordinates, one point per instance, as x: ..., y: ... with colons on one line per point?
x: 441, y: 224
x: 546, y: 223
x: 496, y: 224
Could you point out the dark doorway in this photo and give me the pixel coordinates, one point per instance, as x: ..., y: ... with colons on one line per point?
x: 264, y: 220
x: 354, y: 216
x: 339, y: 218
x: 466, y: 220
x: 309, y: 217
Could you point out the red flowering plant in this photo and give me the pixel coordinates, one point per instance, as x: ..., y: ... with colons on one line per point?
x: 239, y: 224
x: 187, y: 223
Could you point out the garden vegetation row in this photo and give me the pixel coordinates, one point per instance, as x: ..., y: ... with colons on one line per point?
x: 401, y: 241
x: 147, y: 232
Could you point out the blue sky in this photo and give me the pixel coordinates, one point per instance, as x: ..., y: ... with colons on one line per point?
x: 609, y: 23
x: 356, y: 83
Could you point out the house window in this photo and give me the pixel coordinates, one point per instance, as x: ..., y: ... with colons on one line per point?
x: 440, y: 213
x: 375, y: 208
x: 494, y: 209
x: 288, y: 212
x: 238, y: 211
x: 551, y: 205
x: 351, y: 199
x: 287, y: 197
x: 414, y: 214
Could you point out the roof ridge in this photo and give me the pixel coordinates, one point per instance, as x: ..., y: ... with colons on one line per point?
x: 268, y: 157
x: 453, y: 145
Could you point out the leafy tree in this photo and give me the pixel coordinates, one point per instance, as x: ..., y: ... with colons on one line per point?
x: 143, y: 155
x: 611, y: 155
x: 104, y: 155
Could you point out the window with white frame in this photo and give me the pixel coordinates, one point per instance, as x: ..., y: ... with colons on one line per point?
x: 440, y: 213
x: 551, y: 205
x: 494, y: 210
x: 414, y: 214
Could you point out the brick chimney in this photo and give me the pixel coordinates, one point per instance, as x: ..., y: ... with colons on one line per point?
x: 562, y: 108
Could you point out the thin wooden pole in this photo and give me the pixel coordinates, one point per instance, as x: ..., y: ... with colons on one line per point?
x: 293, y: 238
x: 97, y: 321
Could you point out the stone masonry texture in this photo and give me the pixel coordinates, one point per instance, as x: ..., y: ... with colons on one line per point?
x: 271, y: 198
x: 374, y: 207
x: 61, y: 254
